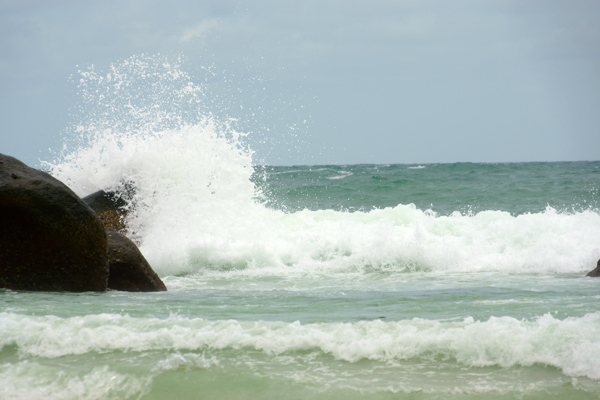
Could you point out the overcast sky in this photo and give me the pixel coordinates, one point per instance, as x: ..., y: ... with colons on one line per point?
x: 419, y: 81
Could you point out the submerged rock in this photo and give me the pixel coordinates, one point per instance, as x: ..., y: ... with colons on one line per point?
x: 595, y: 272
x: 110, y: 208
x: 50, y: 240
x: 129, y: 270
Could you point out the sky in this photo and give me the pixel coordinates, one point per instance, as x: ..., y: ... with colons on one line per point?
x: 329, y: 81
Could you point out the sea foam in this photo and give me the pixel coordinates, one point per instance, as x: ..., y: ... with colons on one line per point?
x: 567, y: 344
x: 26, y: 380
x: 194, y: 209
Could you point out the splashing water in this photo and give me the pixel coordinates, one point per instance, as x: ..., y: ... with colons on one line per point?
x: 146, y: 125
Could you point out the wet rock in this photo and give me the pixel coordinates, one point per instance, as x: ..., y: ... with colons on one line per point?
x: 595, y: 272
x: 50, y: 240
x: 129, y: 270
x: 110, y: 208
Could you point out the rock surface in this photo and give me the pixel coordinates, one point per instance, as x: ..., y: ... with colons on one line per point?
x: 129, y: 270
x: 50, y: 240
x: 595, y: 272
x: 110, y: 209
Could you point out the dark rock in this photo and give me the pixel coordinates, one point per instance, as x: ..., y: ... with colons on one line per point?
x: 129, y: 270
x: 110, y: 208
x: 50, y: 240
x: 596, y: 272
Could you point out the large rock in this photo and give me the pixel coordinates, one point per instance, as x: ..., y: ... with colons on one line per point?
x: 50, y: 239
x: 595, y: 272
x: 129, y: 270
x: 109, y: 207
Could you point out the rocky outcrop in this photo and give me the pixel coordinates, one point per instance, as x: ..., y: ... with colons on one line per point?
x: 110, y: 208
x: 50, y: 240
x: 595, y: 272
x: 129, y: 270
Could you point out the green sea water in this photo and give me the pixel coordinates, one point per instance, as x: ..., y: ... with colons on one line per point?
x: 468, y: 188
x: 337, y: 285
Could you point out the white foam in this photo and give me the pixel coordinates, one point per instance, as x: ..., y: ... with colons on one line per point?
x: 397, y: 239
x: 570, y: 344
x: 340, y: 175
x: 28, y: 380
x: 186, y: 362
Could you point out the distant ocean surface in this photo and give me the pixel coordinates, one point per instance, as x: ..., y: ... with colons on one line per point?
x: 433, y: 281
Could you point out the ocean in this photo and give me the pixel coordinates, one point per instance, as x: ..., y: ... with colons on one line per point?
x: 400, y: 281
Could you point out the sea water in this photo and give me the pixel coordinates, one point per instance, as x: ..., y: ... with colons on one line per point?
x: 432, y: 281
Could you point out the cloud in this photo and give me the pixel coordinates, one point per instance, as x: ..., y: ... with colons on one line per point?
x: 200, y: 30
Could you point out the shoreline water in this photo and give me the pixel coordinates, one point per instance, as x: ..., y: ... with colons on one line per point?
x: 273, y: 303
x: 277, y: 280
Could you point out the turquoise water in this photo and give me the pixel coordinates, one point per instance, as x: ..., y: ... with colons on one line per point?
x: 517, y: 188
x: 433, y: 281
x: 488, y: 302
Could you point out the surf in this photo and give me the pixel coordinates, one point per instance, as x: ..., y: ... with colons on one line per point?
x: 190, y: 184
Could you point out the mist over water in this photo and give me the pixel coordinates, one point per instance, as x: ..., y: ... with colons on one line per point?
x: 431, y: 281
